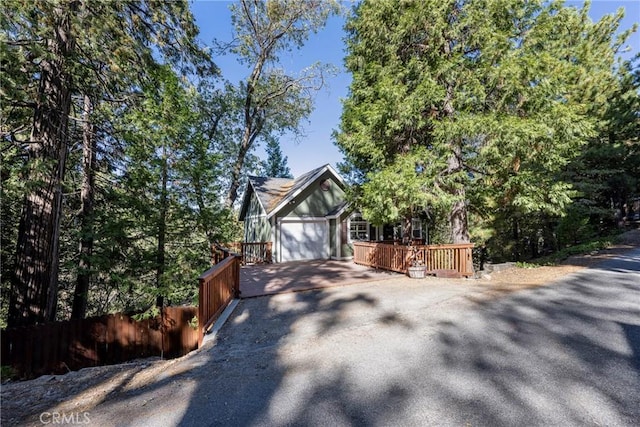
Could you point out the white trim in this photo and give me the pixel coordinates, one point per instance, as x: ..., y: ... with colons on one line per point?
x: 337, y: 238
x: 337, y: 175
x: 303, y: 219
x: 340, y: 212
x: 349, y: 240
x: 255, y: 216
x: 418, y: 221
x: 328, y: 240
x: 274, y: 234
x: 255, y: 194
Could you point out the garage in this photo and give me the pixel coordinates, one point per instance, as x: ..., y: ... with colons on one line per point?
x: 304, y: 240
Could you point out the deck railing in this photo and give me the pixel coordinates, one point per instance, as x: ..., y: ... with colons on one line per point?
x: 251, y: 252
x: 218, y: 286
x: 399, y: 257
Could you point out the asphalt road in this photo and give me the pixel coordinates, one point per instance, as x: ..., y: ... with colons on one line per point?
x: 407, y: 353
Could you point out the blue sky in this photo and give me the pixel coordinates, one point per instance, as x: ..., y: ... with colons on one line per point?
x: 327, y: 46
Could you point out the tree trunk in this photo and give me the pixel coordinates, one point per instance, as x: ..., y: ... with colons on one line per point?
x: 455, y: 166
x: 232, y: 194
x: 80, y: 296
x: 162, y: 232
x: 406, y: 230
x: 34, y: 289
x: 252, y: 126
x: 458, y: 212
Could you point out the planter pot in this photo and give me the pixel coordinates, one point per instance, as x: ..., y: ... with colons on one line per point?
x: 418, y: 272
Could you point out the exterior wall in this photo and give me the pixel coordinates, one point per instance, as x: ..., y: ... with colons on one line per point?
x: 313, y: 201
x: 346, y: 248
x: 332, y: 238
x: 256, y: 226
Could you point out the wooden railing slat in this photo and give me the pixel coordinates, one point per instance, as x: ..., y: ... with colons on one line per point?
x: 398, y: 257
x: 217, y: 287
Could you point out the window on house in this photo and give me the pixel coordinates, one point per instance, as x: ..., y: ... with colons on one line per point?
x: 416, y: 228
x: 359, y: 228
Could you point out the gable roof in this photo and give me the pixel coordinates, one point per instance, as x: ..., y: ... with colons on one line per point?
x: 275, y: 193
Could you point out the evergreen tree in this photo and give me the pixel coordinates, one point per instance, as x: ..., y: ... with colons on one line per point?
x: 606, y: 174
x: 495, y: 91
x: 276, y: 164
x: 52, y: 51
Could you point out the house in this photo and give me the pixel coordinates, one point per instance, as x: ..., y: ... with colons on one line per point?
x: 305, y: 218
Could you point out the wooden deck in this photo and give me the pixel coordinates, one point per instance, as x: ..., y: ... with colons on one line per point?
x: 296, y: 276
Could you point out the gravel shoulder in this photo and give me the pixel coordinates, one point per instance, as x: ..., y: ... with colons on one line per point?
x: 83, y: 390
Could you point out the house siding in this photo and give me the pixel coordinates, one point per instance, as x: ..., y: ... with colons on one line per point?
x: 256, y: 225
x: 346, y: 248
x: 314, y: 202
x: 332, y: 238
x: 292, y: 206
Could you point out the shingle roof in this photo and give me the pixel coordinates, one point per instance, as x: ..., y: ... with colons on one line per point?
x: 271, y: 192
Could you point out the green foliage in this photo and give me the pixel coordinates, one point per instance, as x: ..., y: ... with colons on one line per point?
x: 193, y: 323
x: 276, y: 164
x: 574, y: 227
x: 151, y: 237
x: 272, y: 100
x: 500, y: 96
x: 401, y: 189
x: 151, y: 313
x: 7, y: 373
x: 585, y: 248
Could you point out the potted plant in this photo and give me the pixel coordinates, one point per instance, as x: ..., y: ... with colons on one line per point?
x: 417, y: 270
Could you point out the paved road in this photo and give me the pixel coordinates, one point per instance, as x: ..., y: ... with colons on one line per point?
x: 407, y: 353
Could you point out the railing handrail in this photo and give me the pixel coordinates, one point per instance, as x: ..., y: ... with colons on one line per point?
x: 215, y: 294
x: 216, y: 269
x: 442, y: 246
x: 249, y: 252
x: 398, y: 258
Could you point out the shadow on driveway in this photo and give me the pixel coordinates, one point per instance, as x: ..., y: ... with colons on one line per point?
x: 406, y: 352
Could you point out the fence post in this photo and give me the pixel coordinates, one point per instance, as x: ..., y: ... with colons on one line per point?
x: 201, y: 318
x: 236, y: 278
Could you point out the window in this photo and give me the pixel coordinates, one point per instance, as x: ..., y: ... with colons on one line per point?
x: 359, y: 228
x: 416, y: 228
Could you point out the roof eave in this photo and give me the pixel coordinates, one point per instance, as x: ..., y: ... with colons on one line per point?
x: 340, y: 212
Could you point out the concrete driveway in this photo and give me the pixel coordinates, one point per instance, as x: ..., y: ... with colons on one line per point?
x: 403, y: 352
x: 270, y: 279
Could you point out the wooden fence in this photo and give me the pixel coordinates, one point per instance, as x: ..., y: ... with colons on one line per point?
x: 58, y: 347
x: 250, y: 252
x: 218, y: 286
x: 399, y: 257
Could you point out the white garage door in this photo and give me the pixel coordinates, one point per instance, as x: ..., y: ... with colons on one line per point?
x: 304, y: 240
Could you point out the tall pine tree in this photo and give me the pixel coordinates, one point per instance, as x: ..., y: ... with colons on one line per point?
x: 497, y: 92
x: 53, y: 51
x: 275, y: 166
